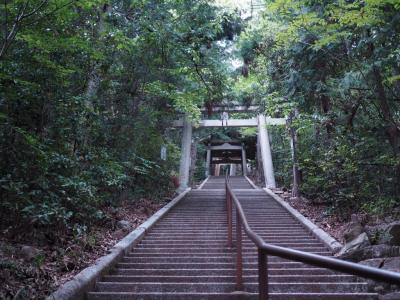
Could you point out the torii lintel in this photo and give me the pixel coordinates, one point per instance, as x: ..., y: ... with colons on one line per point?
x: 253, y: 122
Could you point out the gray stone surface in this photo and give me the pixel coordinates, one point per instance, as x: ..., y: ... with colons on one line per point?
x: 353, y: 229
x: 373, y: 262
x: 203, y: 183
x: 375, y: 231
x: 374, y: 251
x: 185, y: 155
x: 361, y: 241
x: 266, y: 156
x: 76, y: 288
x: 390, y: 296
x: 389, y: 264
x: 391, y: 235
x: 392, y: 264
x: 323, y: 236
x: 251, y: 183
x: 28, y: 253
x: 387, y: 233
x: 123, y: 224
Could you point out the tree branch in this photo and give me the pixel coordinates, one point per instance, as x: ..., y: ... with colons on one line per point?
x: 20, y: 17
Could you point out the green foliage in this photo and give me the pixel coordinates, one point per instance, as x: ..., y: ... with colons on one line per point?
x: 337, y: 63
x: 87, y: 92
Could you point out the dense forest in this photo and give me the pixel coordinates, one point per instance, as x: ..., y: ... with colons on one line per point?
x: 88, y: 90
x: 337, y: 64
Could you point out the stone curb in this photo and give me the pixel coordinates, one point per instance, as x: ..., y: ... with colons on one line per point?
x: 203, y: 183
x: 76, y: 288
x: 323, y: 236
x: 252, y: 183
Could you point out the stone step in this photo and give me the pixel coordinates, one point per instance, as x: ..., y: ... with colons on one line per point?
x: 230, y: 296
x: 230, y: 258
x: 245, y: 248
x: 223, y: 243
x: 222, y: 226
x: 222, y: 235
x: 224, y: 239
x: 227, y: 279
x: 205, y: 251
x: 186, y: 256
x: 274, y: 287
x: 214, y: 271
x: 206, y: 265
x: 211, y: 231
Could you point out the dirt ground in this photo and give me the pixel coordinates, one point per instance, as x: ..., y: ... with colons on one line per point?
x: 56, y: 259
x: 321, y: 215
x: 317, y: 213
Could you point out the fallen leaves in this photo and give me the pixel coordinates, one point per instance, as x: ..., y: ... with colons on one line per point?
x: 56, y: 263
x: 317, y: 213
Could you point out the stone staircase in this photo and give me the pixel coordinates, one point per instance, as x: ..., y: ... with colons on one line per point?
x: 185, y: 255
x: 218, y: 183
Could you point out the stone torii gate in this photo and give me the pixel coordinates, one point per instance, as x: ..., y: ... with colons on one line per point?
x: 261, y: 122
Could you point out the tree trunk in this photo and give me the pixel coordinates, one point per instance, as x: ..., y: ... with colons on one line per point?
x: 392, y: 128
x: 326, y: 107
x: 94, y: 78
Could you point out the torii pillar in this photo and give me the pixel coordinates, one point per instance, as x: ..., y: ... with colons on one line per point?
x: 266, y: 155
x: 208, y: 161
x: 232, y: 170
x: 217, y: 169
x: 244, y: 161
x: 185, y: 155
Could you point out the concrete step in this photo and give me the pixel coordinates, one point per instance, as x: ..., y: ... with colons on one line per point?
x: 198, y: 252
x: 185, y: 235
x: 230, y: 296
x: 287, y: 287
x: 222, y: 226
x: 199, y: 247
x: 214, y: 250
x: 223, y: 233
x: 217, y: 272
x: 189, y: 258
x: 223, y: 243
x: 226, y: 279
x: 224, y: 239
x: 206, y: 265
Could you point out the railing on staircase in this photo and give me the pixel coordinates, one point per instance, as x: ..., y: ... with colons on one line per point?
x: 264, y: 249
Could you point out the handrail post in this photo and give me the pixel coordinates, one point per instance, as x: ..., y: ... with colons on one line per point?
x: 239, y: 258
x: 263, y: 275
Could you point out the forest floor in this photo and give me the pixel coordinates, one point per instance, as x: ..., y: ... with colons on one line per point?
x: 322, y: 215
x: 56, y: 257
x: 318, y: 214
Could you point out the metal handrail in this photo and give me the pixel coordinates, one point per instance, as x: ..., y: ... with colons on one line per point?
x: 265, y: 249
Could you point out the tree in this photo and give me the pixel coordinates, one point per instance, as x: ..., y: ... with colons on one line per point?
x: 337, y: 63
x: 87, y: 92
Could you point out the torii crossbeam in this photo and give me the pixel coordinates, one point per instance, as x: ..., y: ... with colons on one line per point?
x: 253, y: 122
x: 260, y: 122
